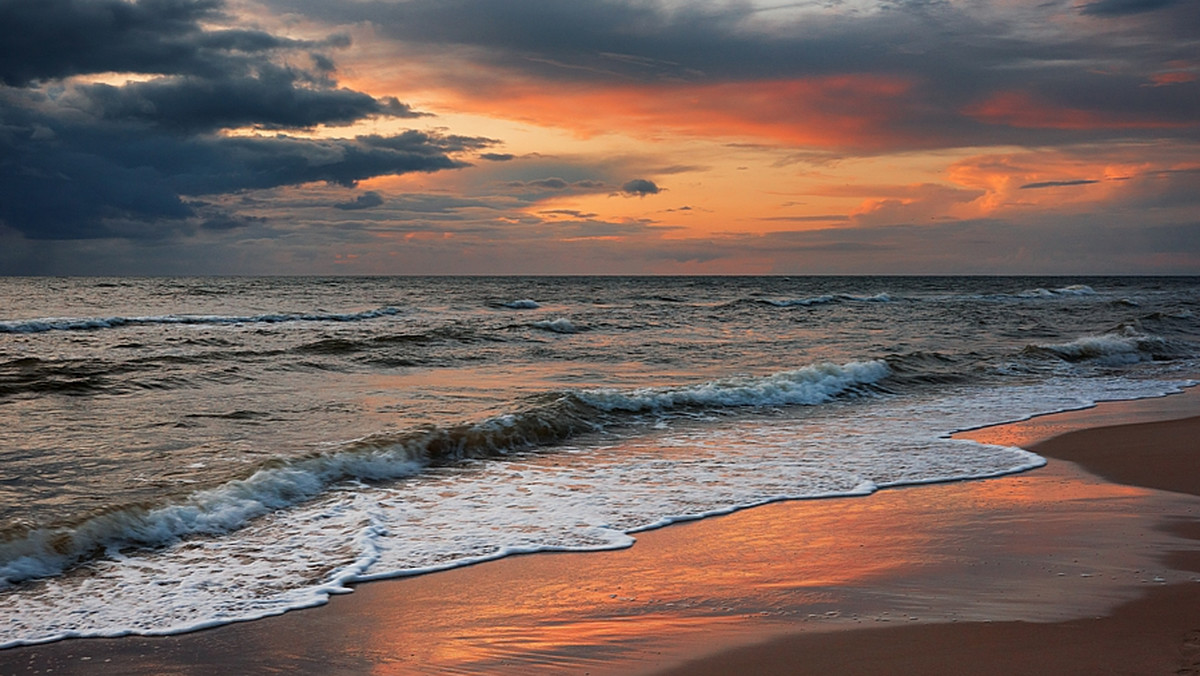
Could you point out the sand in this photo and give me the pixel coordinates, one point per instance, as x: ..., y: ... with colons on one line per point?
x: 1088, y: 565
x: 1158, y: 633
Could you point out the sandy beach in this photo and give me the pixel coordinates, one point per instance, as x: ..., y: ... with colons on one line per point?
x: 1088, y: 565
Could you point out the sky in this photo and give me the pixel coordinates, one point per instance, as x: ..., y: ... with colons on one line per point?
x: 367, y: 137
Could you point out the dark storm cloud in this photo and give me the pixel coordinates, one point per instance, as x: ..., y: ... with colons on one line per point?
x: 1125, y: 7
x: 96, y: 160
x: 50, y: 39
x: 953, y: 57
x: 366, y: 200
x: 640, y: 187
x: 68, y: 185
x: 275, y: 97
x: 598, y: 40
x: 221, y: 222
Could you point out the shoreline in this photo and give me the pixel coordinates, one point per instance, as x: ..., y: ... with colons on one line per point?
x: 965, y: 561
x: 1157, y: 632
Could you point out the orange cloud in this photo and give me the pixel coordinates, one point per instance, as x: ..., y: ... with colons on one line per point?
x: 1171, y: 78
x: 827, y: 112
x: 1089, y: 180
x: 1020, y: 109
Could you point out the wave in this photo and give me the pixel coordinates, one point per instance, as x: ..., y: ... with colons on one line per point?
x: 1125, y: 346
x: 882, y: 297
x: 441, y: 334
x: 800, y: 302
x: 559, y: 325
x: 49, y: 551
x: 41, y: 376
x: 1065, y: 291
x: 522, y: 304
x: 815, y: 384
x: 97, y: 323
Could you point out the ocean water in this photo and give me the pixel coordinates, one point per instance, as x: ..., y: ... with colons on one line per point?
x: 181, y: 453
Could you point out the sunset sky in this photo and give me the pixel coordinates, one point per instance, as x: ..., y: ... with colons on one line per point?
x: 599, y: 137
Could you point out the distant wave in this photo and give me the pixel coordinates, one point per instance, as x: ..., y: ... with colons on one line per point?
x: 49, y: 551
x: 1126, y: 346
x: 1071, y: 290
x: 559, y: 325
x: 522, y: 304
x: 800, y: 302
x: 97, y: 323
x: 828, y: 298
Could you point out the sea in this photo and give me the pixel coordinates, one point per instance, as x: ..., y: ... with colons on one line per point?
x: 180, y: 453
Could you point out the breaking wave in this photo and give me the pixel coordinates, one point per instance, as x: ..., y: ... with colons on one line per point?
x: 810, y: 385
x: 1070, y: 290
x: 559, y: 325
x: 1125, y: 346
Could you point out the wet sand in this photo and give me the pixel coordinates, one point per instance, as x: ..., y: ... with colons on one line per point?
x: 1158, y: 633
x: 1052, y: 571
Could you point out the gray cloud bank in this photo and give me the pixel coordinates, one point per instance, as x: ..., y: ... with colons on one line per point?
x: 85, y: 160
x: 1096, y: 57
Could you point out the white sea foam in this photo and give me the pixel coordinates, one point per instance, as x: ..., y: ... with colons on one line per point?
x: 1128, y: 346
x: 215, y: 511
x: 523, y: 304
x: 557, y: 325
x: 1070, y: 290
x: 881, y: 297
x: 810, y: 385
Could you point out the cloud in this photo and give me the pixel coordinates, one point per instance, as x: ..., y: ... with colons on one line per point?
x: 1125, y: 7
x: 891, y: 76
x: 53, y: 39
x: 89, y: 160
x: 558, y: 185
x: 569, y: 213
x: 68, y: 187
x: 222, y: 222
x: 273, y: 98
x: 822, y: 218
x: 498, y: 157
x: 366, y: 200
x: 1057, y: 184
x: 640, y: 187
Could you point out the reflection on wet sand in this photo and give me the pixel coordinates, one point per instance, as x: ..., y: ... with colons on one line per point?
x: 1043, y: 546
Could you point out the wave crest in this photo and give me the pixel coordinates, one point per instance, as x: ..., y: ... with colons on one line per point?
x: 1126, y: 346
x: 810, y: 385
x: 558, y: 325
